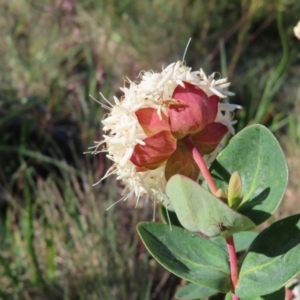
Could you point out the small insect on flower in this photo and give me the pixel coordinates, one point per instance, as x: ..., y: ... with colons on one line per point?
x: 147, y: 131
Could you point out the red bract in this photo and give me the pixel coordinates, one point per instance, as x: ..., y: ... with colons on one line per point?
x: 170, y: 138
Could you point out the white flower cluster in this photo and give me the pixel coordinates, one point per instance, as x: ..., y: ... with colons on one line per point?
x: 123, y: 131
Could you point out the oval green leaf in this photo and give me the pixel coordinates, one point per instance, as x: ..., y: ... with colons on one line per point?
x: 256, y: 154
x: 193, y: 291
x: 200, y: 211
x: 278, y: 295
x: 243, y: 240
x: 272, y: 259
x: 187, y: 255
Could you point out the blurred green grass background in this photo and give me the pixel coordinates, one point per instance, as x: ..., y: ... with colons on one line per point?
x: 57, y: 239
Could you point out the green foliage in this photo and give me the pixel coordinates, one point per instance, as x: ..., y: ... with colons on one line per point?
x: 273, y: 254
x: 63, y: 247
x: 278, y: 295
x: 193, y: 291
x: 200, y: 211
x: 168, y: 216
x: 56, y: 239
x: 242, y: 240
x: 187, y: 255
x: 256, y: 155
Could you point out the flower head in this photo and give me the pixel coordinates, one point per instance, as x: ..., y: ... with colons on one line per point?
x: 189, y: 120
x: 149, y: 131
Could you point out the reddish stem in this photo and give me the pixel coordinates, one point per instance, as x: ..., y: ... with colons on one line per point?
x: 233, y: 265
x: 229, y: 241
x: 204, y: 170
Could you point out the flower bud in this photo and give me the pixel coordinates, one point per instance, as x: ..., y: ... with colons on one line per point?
x: 234, y: 190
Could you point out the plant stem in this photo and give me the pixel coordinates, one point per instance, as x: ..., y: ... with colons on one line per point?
x: 229, y: 241
x: 233, y: 265
x: 204, y: 170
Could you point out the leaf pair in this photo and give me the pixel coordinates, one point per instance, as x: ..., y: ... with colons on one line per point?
x: 272, y: 259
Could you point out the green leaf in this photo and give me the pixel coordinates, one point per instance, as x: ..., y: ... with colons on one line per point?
x: 272, y: 259
x: 187, y: 255
x: 193, y: 291
x: 278, y: 295
x: 242, y: 240
x: 163, y: 212
x: 200, y: 211
x: 255, y: 153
